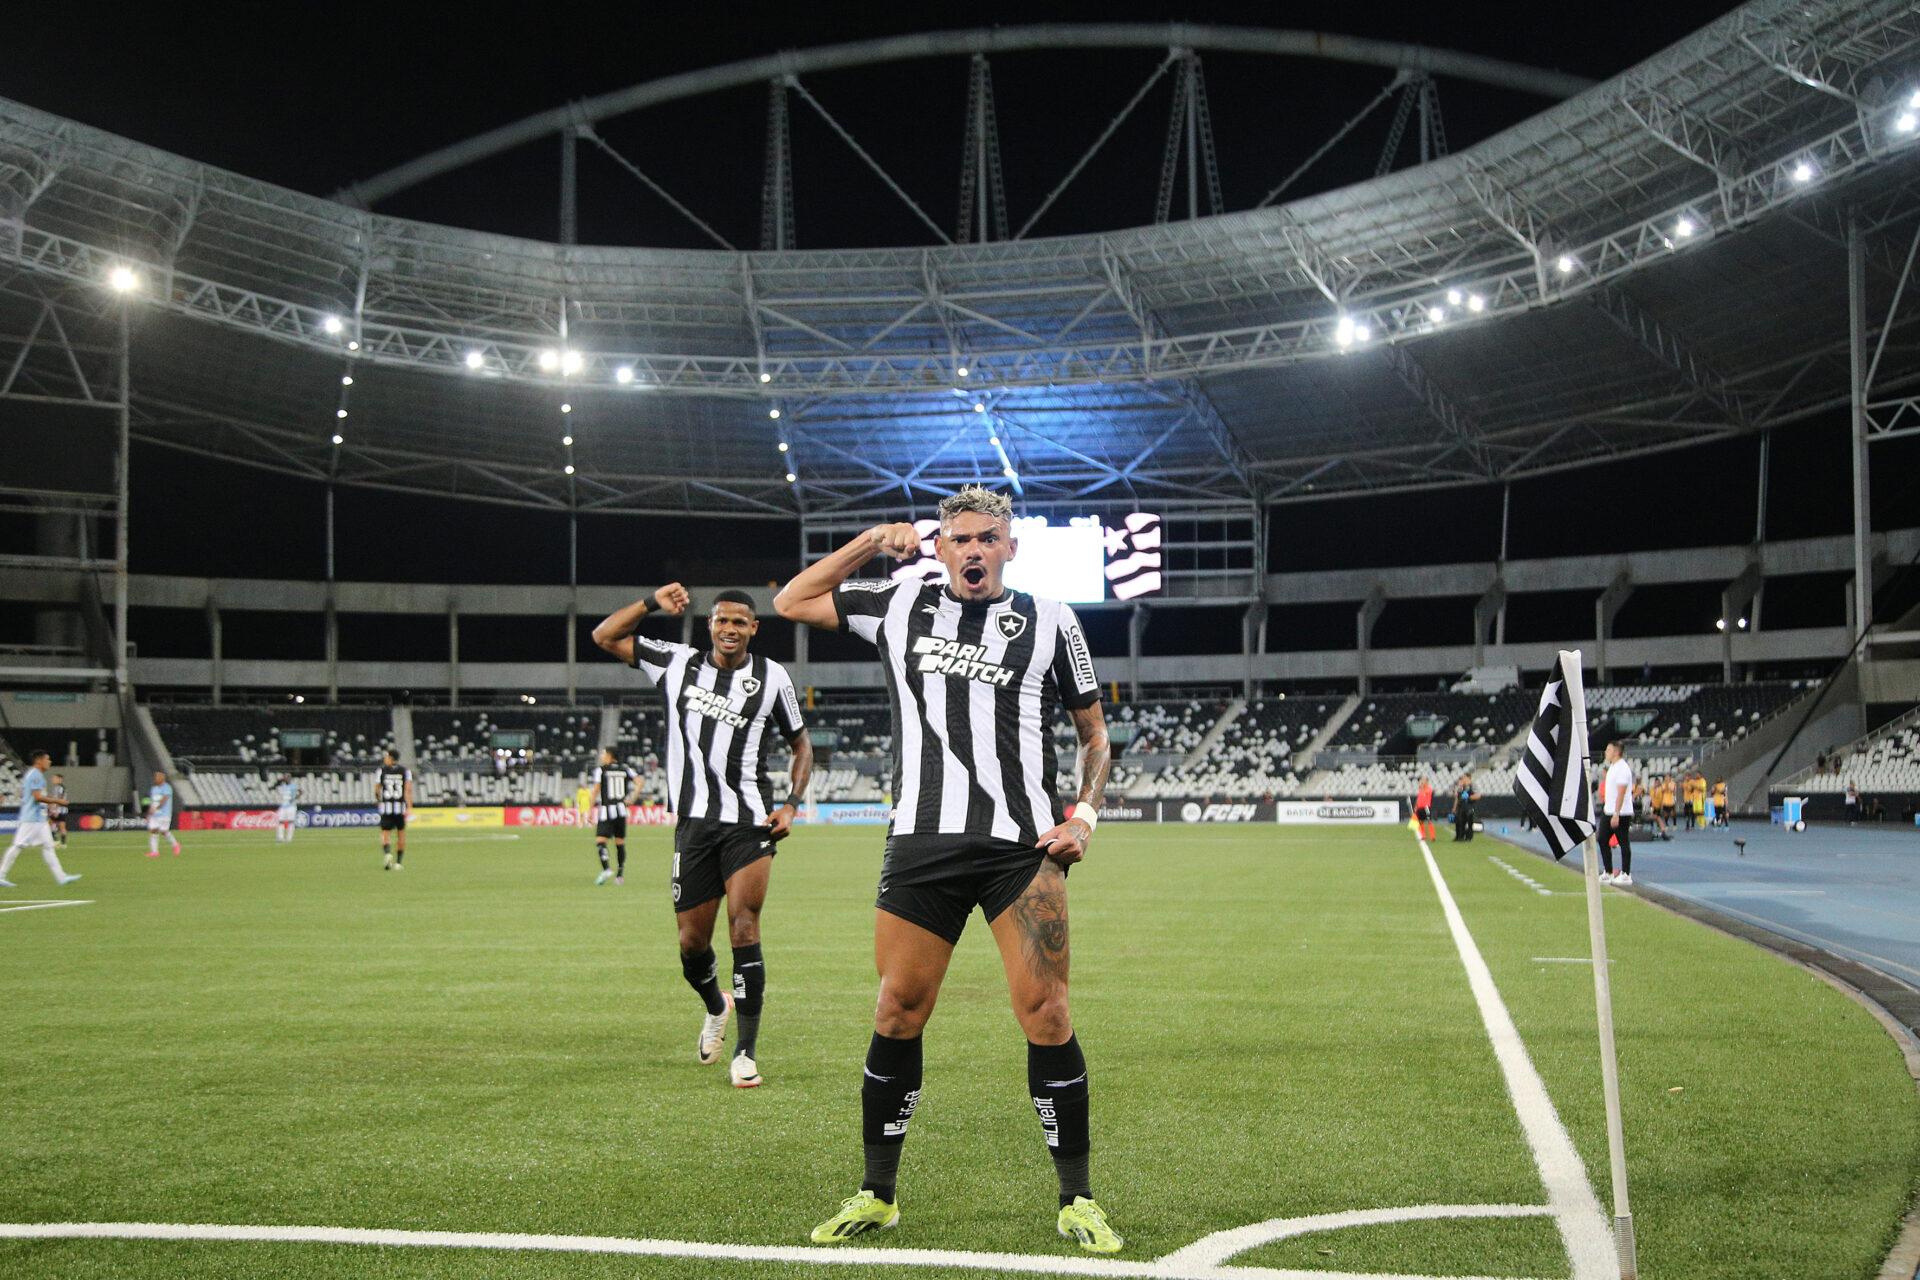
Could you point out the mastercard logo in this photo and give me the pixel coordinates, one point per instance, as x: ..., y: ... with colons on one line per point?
x: 90, y: 822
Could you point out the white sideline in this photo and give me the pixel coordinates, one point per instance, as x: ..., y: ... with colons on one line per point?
x: 1584, y: 1229
x: 41, y: 904
x: 1166, y: 1268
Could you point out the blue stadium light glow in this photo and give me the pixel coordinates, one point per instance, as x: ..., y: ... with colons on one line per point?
x: 961, y: 371
x: 979, y: 407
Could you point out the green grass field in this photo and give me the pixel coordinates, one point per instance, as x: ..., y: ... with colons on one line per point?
x: 1276, y: 1019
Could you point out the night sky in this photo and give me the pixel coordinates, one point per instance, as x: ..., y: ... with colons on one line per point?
x: 317, y: 96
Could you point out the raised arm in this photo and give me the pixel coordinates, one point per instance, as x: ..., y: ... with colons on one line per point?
x: 615, y: 632
x: 808, y: 596
x: 1068, y: 841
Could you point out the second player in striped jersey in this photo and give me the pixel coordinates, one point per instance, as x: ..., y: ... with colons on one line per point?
x: 724, y: 705
x: 612, y: 785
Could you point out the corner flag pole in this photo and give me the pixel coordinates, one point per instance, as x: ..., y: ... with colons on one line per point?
x: 1603, y: 1000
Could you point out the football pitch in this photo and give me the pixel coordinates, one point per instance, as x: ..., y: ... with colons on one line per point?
x: 483, y: 1066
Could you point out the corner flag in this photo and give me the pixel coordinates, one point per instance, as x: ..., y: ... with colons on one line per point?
x: 1551, y: 783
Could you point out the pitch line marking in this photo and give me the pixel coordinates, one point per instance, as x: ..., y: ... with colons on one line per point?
x: 41, y: 904
x: 1196, y: 1262
x: 1584, y: 1229
x: 1518, y: 874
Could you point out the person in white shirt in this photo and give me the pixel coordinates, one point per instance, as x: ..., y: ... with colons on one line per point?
x: 1616, y: 798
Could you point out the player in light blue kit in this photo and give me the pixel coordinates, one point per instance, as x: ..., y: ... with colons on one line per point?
x: 34, y: 828
x: 289, y: 812
x: 160, y: 815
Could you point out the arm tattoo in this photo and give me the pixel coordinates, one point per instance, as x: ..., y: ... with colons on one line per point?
x: 1041, y: 913
x: 1096, y: 754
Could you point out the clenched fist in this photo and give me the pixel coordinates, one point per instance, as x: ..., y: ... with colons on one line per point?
x: 671, y: 599
x: 901, y: 541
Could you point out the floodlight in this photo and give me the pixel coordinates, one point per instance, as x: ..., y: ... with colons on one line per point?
x: 791, y: 477
x: 1454, y: 297
x: 332, y: 324
x: 1906, y: 122
x: 766, y: 377
x: 1567, y: 264
x: 994, y: 441
x: 1684, y: 227
x: 475, y: 359
x: 1476, y: 303
x: 1803, y: 172
x: 979, y: 407
x: 623, y: 375
x: 773, y: 413
x: 783, y: 446
x: 1742, y: 624
x: 567, y: 441
x: 123, y: 280
x: 1720, y: 624
x: 1361, y: 333
x: 566, y: 408
x: 346, y: 379
x: 1343, y: 331
x: 1436, y: 315
x: 569, y: 362
x: 1008, y: 472
x: 339, y: 439
x: 339, y: 413
x: 354, y: 345
x: 962, y: 371
x: 549, y: 360
x: 569, y: 468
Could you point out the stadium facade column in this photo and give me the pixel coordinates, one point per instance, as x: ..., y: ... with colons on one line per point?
x: 573, y: 631
x: 1760, y: 520
x: 1506, y: 515
x: 1862, y: 483
x: 1137, y: 619
x: 1253, y: 640
x: 1736, y: 603
x: 1488, y: 611
x: 123, y: 482
x: 1369, y: 613
x: 1605, y: 609
x: 453, y: 651
x: 218, y: 665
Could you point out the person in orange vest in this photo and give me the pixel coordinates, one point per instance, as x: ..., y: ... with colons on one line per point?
x: 1423, y: 807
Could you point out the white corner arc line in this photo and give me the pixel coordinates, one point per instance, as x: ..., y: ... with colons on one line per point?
x: 33, y: 905
x: 1584, y: 1228
x: 1214, y: 1250
x: 823, y: 1255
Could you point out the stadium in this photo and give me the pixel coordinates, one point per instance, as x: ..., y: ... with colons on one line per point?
x: 1423, y: 473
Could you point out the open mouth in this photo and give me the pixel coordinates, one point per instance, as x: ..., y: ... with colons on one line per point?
x: 973, y: 575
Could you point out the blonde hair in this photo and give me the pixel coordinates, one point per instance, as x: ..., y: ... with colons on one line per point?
x: 976, y: 498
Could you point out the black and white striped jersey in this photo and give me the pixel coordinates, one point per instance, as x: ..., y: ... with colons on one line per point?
x: 390, y: 788
x: 718, y: 729
x: 976, y: 688
x: 610, y: 785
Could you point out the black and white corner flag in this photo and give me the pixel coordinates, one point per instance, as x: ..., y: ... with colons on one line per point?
x: 1551, y: 783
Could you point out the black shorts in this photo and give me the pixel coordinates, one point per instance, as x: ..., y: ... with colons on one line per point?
x: 393, y: 822
x: 610, y: 829
x: 706, y: 855
x: 1421, y: 814
x: 934, y: 881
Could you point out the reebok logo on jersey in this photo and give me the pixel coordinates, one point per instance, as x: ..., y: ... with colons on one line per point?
x: 952, y: 658
x: 705, y: 702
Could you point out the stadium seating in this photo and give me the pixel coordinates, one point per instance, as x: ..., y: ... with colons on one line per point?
x: 561, y: 736
x: 1379, y: 723
x: 197, y: 735
x: 1694, y: 713
x: 1886, y: 761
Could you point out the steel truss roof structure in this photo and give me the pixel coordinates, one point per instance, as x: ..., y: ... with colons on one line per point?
x: 1655, y: 261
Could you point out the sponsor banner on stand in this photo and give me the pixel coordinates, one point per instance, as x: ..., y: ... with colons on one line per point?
x: 1217, y: 810
x: 454, y: 816
x: 311, y: 816
x: 1130, y: 811
x: 1338, y: 811
x: 853, y: 815
x: 99, y: 822
x: 558, y: 815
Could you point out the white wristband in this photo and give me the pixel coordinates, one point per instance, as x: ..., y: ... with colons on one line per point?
x: 1085, y: 813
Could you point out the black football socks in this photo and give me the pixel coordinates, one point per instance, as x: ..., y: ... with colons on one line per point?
x: 889, y: 1091
x: 699, y: 968
x: 749, y: 987
x: 1057, y: 1081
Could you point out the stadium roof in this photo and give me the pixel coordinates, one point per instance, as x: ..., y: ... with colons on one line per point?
x: 1653, y: 262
